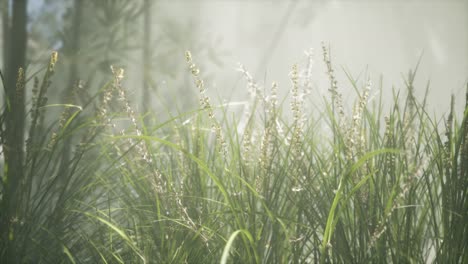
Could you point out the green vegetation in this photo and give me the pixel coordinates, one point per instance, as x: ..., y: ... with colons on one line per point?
x: 281, y: 184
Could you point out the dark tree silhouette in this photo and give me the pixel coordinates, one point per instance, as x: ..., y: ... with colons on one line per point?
x: 13, y: 119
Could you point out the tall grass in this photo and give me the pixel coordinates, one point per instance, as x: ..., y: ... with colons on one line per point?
x: 278, y: 185
x: 42, y: 218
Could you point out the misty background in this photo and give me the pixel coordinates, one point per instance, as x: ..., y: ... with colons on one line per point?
x: 96, y: 168
x: 367, y: 39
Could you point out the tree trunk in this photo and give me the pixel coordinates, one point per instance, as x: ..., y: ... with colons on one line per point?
x: 5, y: 31
x: 14, y: 115
x: 73, y: 79
x: 146, y: 59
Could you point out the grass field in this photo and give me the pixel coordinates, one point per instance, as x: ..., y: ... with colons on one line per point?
x: 276, y: 184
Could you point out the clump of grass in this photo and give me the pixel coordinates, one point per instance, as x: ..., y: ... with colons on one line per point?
x: 282, y: 192
x: 46, y: 223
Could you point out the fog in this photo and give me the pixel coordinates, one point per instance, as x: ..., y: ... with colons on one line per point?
x: 382, y: 38
x: 233, y: 131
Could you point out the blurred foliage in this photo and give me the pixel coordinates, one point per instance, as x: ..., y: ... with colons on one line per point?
x: 112, y: 33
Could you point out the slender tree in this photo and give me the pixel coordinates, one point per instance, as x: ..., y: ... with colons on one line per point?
x: 73, y: 77
x: 5, y: 30
x: 13, y: 121
x: 146, y: 53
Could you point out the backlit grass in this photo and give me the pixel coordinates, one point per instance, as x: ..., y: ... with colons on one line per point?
x: 277, y: 184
